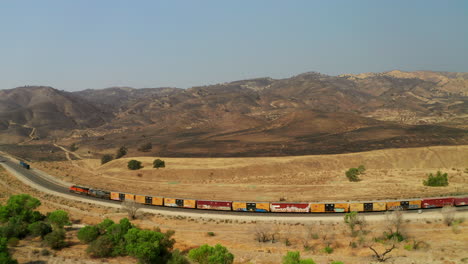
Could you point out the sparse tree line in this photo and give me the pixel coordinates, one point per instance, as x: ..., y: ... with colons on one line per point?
x: 133, y: 164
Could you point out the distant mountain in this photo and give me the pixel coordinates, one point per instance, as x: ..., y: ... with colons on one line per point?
x: 47, y: 110
x: 305, y: 114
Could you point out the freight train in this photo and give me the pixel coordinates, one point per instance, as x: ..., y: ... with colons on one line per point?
x: 284, y: 207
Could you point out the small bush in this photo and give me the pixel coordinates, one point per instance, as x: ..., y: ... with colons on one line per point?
x: 157, y: 163
x: 134, y: 165
x: 88, y: 234
x: 337, y: 262
x: 206, y: 254
x: 211, y: 234
x: 56, y: 239
x: 39, y: 229
x: 440, y: 179
x: 45, y: 252
x: 106, y: 158
x: 328, y: 250
x: 397, y: 236
x: 101, y: 247
x: 177, y: 258
x: 353, y: 174
x: 294, y: 257
x: 122, y: 151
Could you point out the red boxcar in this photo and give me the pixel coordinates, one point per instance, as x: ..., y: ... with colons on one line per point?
x: 214, y: 205
x: 290, y: 207
x: 460, y: 201
x: 437, y: 202
x: 78, y: 189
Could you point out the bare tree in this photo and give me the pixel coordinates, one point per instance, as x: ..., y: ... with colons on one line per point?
x: 448, y: 213
x: 131, y: 207
x: 266, y: 232
x: 381, y: 257
x: 395, y: 221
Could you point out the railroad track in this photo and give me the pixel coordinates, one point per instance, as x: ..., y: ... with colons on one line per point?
x: 46, y: 183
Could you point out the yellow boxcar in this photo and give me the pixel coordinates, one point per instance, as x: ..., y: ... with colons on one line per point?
x: 129, y: 196
x: 356, y: 207
x: 149, y: 200
x: 114, y: 196
x: 140, y: 199
x: 250, y: 206
x: 157, y: 201
x: 379, y: 206
x: 341, y: 207
x: 317, y: 208
x: 173, y: 202
x: 403, y: 205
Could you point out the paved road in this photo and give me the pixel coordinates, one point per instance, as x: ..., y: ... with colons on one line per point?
x: 47, y: 184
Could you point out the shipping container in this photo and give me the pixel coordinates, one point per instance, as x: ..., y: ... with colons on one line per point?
x: 461, y: 201
x: 214, y: 205
x: 290, y: 207
x: 174, y: 202
x: 403, y: 205
x: 251, y: 207
x: 437, y: 202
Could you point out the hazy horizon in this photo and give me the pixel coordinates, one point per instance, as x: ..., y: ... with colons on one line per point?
x: 98, y: 44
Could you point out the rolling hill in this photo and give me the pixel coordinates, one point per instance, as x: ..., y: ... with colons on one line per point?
x: 310, y: 113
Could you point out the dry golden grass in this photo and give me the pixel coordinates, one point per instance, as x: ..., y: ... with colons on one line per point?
x: 392, y: 173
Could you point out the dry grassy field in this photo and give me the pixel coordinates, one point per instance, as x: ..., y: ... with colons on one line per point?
x: 392, y: 173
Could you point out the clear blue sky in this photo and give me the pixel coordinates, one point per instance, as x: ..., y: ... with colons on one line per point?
x: 74, y: 45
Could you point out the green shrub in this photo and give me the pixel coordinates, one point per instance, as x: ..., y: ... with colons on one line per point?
x: 101, y: 247
x: 88, y: 234
x: 294, y: 257
x: 56, y: 239
x: 157, y: 163
x: 352, y: 175
x: 206, y: 254
x: 104, y: 225
x: 122, y: 151
x: 397, y: 236
x: 337, y: 262
x: 440, y: 179
x: 211, y: 234
x: 45, y: 252
x: 58, y: 219
x: 39, y: 229
x: 134, y: 165
x: 328, y: 250
x: 106, y: 158
x: 177, y: 258
x: 147, y: 246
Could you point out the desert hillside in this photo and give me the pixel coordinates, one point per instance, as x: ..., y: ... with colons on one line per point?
x: 310, y: 113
